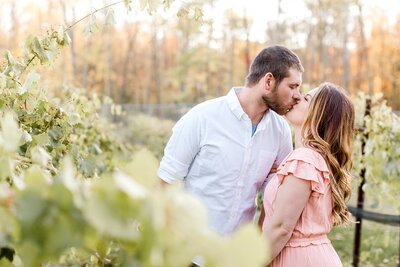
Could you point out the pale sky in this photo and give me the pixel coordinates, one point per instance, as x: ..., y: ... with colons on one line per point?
x: 261, y: 11
x: 265, y: 11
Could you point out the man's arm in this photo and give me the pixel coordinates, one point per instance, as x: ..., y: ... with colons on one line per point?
x: 181, y: 149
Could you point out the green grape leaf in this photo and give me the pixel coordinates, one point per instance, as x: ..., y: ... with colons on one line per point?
x: 198, y: 13
x: 106, y: 210
x: 30, y: 253
x: 143, y: 168
x: 52, y: 49
x: 91, y: 27
x: 247, y: 238
x: 56, y: 133
x: 10, y: 133
x: 74, y: 118
x: 36, y: 179
x: 48, y: 220
x: 183, y: 12
x: 62, y: 36
x: 3, y: 81
x: 13, y: 65
x: 110, y: 18
x: 30, y: 81
x: 42, y: 139
x: 25, y: 138
x: 127, y: 4
x: 66, y: 39
x: 152, y: 5
x: 5, y: 167
x: 128, y: 185
x: 167, y: 3
x: 87, y: 166
x: 40, y: 156
x: 143, y: 4
x: 38, y: 50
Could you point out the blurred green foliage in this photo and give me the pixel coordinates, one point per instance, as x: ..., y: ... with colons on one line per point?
x: 148, y: 131
x: 379, y: 244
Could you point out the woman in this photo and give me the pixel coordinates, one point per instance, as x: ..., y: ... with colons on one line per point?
x: 307, y: 196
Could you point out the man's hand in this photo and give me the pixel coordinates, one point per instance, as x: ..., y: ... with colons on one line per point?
x: 162, y: 183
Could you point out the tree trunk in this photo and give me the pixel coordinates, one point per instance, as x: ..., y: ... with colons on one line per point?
x: 247, y: 48
x: 71, y: 35
x: 277, y: 39
x: 310, y: 58
x: 364, y: 49
x: 322, y: 66
x: 346, y: 57
x: 14, y: 26
x: 208, y: 59
x: 221, y: 73
x: 184, y: 51
x: 232, y: 61
x: 85, y: 67
x: 156, y: 79
x: 130, y: 54
x: 108, y: 31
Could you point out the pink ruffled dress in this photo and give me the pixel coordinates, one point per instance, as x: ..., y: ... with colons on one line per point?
x: 309, y: 245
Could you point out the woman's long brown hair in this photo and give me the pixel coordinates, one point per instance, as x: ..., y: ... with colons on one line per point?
x: 328, y: 129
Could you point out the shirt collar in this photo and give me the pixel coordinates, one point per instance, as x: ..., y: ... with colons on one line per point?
x: 237, y: 110
x: 234, y: 104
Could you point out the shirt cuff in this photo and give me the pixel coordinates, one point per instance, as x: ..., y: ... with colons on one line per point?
x: 166, y: 176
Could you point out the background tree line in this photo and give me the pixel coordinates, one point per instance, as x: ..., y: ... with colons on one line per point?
x: 152, y: 60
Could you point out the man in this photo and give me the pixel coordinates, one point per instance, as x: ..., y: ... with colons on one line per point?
x: 224, y: 148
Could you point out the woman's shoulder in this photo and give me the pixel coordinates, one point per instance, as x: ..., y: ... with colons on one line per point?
x: 310, y: 156
x: 307, y: 164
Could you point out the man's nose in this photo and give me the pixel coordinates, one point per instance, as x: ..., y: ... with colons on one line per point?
x: 297, y: 95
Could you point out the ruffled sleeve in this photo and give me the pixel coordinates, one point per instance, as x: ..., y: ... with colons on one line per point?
x: 307, y: 164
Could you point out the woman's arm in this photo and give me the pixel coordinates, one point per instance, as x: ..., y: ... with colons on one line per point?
x: 290, y: 201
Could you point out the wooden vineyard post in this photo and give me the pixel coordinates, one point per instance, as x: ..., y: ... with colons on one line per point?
x: 360, y: 196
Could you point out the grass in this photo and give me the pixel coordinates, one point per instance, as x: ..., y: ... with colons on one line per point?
x: 379, y: 244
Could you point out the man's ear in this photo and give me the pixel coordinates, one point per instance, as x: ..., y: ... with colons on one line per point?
x: 269, y: 81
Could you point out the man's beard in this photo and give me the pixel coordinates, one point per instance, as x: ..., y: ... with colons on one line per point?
x: 273, y: 102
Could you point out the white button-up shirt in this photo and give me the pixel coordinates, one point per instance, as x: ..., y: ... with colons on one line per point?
x: 213, y: 151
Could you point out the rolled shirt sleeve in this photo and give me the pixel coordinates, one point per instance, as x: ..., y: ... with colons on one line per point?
x: 182, y: 148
